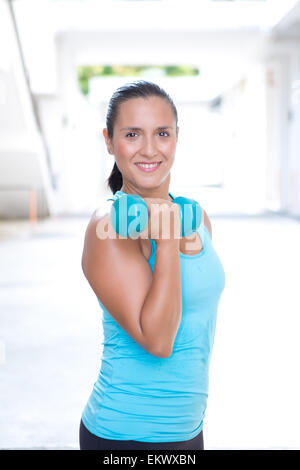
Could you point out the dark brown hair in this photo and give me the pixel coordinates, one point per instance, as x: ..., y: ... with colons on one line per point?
x: 136, y: 89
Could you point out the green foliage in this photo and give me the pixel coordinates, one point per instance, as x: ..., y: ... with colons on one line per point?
x: 86, y: 72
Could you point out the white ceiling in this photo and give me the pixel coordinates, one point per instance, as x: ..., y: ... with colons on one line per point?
x: 166, y: 15
x: 223, y: 38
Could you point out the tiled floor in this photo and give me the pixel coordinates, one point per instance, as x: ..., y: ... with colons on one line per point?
x: 50, y: 334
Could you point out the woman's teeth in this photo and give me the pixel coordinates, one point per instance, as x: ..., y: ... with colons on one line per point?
x: 148, y: 165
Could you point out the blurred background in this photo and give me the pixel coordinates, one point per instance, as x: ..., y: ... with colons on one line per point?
x: 233, y: 71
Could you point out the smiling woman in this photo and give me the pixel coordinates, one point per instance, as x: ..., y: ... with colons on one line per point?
x: 159, y: 298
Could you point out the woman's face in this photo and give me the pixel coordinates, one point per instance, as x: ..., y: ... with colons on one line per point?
x: 144, y: 132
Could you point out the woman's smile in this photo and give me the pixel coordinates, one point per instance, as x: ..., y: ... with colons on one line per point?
x: 148, y: 167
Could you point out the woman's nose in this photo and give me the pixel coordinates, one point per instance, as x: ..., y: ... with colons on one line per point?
x: 149, y: 147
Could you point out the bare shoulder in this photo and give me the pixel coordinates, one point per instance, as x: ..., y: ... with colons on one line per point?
x: 96, y: 225
x: 101, y: 240
x: 98, y: 219
x: 207, y: 222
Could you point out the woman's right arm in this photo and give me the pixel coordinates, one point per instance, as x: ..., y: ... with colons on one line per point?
x: 161, y: 313
x: 147, y: 306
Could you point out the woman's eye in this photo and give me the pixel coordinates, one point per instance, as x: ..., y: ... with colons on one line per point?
x: 130, y: 133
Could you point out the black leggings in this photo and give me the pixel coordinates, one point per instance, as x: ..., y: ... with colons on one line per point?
x: 89, y: 441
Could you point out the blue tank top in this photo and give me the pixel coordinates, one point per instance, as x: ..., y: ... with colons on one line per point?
x: 141, y: 397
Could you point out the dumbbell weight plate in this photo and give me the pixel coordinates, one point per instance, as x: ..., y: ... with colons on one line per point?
x: 190, y: 215
x: 129, y: 215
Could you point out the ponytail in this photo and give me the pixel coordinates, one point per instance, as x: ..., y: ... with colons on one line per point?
x: 115, y: 179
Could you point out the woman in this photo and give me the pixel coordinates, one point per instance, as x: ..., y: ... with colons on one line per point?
x: 159, y: 295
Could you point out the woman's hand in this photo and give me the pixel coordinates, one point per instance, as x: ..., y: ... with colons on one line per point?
x: 163, y: 220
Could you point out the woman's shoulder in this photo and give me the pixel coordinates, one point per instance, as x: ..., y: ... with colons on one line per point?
x: 97, y: 223
x: 99, y: 227
x: 101, y: 241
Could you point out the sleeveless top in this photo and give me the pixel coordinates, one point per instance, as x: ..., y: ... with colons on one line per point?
x: 142, y: 397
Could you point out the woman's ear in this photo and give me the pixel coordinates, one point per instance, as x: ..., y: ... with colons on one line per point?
x: 107, y: 141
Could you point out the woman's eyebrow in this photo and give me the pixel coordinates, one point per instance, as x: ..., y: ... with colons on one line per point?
x: 140, y: 129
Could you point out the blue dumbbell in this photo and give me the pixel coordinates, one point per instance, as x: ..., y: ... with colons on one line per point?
x: 190, y: 215
x: 129, y: 215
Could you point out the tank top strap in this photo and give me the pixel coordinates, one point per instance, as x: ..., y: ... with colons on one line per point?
x: 153, y: 247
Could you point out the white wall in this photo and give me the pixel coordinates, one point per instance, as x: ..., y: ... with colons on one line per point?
x: 243, y: 114
x: 23, y: 163
x: 283, y: 118
x: 294, y: 134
